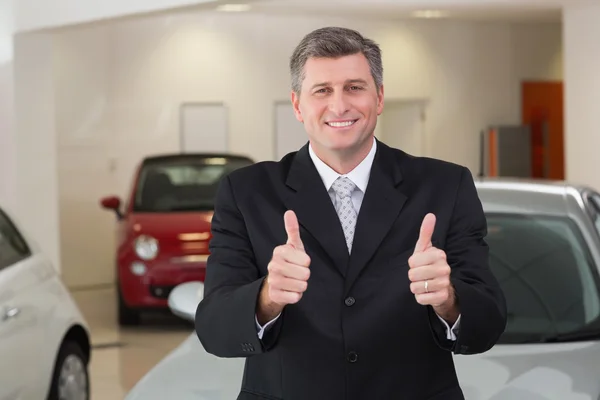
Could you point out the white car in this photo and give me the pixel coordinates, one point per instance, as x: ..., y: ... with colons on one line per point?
x: 44, y: 339
x: 544, y: 243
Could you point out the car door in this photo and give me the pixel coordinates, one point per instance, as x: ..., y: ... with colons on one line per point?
x: 18, y: 319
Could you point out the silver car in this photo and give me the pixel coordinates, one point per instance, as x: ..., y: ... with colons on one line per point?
x: 544, y: 240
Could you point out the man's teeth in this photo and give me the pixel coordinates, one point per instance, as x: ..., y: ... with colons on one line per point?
x: 340, y: 124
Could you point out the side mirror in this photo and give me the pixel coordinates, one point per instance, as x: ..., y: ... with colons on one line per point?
x: 184, y: 299
x: 112, y: 203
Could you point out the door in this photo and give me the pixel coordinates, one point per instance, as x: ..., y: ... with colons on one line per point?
x: 289, y: 132
x: 18, y: 325
x: 204, y: 128
x: 542, y: 104
x: 401, y: 126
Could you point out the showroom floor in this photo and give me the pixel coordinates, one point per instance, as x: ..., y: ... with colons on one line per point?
x: 120, y: 357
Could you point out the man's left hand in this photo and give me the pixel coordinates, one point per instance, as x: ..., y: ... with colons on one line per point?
x: 429, y: 274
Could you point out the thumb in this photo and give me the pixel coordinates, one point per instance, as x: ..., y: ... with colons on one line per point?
x: 426, y: 233
x: 293, y: 230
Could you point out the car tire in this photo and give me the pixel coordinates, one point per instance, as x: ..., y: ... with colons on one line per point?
x: 70, y: 378
x: 126, y: 315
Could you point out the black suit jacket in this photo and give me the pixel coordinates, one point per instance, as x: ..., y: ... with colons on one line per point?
x: 358, y: 332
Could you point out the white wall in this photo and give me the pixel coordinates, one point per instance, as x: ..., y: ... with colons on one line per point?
x: 537, y: 55
x: 537, y: 51
x: 119, y: 87
x: 85, y: 140
x: 469, y: 73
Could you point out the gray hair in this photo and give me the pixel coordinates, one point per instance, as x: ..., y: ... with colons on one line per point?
x: 334, y: 42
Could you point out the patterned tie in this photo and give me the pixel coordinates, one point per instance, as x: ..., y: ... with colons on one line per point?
x: 343, y: 188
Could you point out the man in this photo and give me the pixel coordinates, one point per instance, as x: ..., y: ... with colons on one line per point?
x: 348, y: 270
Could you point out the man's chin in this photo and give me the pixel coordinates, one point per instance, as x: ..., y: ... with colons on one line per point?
x: 345, y: 149
x: 348, y: 142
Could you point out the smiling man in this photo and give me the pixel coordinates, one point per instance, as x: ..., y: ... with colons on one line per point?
x: 339, y: 102
x: 348, y: 269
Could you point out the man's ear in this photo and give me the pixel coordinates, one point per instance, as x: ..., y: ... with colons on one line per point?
x: 296, y: 105
x: 380, y: 100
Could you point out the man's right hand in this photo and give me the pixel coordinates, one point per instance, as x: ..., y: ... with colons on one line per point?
x: 288, y: 274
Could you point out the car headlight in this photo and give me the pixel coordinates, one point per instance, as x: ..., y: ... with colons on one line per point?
x: 146, y: 247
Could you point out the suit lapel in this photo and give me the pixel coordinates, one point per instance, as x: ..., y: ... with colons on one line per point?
x: 309, y: 199
x: 380, y: 208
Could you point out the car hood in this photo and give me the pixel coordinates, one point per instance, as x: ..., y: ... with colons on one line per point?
x: 190, y: 373
x: 172, y: 223
x: 553, y: 371
x: 506, y: 372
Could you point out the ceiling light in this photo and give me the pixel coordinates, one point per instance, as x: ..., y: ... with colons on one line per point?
x: 233, y: 7
x: 429, y: 14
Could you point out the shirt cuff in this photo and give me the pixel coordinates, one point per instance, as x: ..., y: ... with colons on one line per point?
x: 263, y: 329
x: 451, y: 333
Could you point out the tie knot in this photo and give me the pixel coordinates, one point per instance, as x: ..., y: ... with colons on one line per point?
x: 343, y: 187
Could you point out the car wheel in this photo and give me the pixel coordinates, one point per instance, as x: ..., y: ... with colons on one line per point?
x: 127, y: 316
x: 70, y: 380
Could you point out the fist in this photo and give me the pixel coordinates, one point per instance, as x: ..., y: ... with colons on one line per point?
x: 288, y: 274
x: 429, y: 272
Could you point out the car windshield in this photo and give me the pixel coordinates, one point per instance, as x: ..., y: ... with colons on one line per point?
x: 547, y: 275
x: 594, y: 201
x: 182, y: 184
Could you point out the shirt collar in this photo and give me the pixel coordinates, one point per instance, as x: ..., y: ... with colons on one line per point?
x: 359, y: 175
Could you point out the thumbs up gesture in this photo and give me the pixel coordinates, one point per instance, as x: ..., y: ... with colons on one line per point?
x: 429, y: 272
x: 288, y: 270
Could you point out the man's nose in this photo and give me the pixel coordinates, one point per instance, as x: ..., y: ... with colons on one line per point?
x: 338, y: 104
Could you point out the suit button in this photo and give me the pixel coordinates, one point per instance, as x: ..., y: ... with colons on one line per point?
x: 352, y: 357
x: 350, y: 301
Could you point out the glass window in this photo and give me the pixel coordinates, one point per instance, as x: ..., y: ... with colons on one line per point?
x: 548, y: 277
x: 13, y: 247
x: 594, y: 202
x: 183, y: 184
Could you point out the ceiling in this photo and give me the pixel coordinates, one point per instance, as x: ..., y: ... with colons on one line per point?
x: 478, y: 10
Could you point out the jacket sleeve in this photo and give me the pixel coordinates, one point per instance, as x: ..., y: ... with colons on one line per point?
x: 225, y: 318
x: 481, y: 302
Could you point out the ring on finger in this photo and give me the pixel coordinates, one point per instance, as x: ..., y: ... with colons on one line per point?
x: 426, y: 286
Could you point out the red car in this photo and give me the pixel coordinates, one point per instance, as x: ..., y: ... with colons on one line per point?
x: 164, y: 227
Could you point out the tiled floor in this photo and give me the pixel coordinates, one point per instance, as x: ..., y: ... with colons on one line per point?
x: 120, y: 357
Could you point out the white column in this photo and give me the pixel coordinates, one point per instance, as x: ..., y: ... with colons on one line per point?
x: 7, y: 132
x: 35, y: 141
x: 582, y: 92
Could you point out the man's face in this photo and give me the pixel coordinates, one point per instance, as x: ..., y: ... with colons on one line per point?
x: 339, y: 103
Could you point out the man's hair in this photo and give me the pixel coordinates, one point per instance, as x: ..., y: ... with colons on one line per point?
x: 334, y: 42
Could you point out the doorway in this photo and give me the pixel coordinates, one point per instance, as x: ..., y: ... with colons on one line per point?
x: 402, y: 125
x: 542, y: 110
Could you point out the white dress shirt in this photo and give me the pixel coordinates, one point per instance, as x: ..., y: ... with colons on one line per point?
x: 360, y: 177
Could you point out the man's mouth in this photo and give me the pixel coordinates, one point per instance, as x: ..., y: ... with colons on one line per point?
x: 341, y: 124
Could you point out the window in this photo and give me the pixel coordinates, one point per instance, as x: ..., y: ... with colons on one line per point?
x: 13, y: 247
x: 183, y: 184
x: 547, y: 275
x: 593, y: 200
